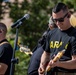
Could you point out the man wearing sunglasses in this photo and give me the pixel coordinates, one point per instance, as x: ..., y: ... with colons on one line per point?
x: 61, y: 38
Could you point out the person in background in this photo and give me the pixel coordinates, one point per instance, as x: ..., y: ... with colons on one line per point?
x: 38, y: 50
x: 6, y: 51
x: 61, y: 38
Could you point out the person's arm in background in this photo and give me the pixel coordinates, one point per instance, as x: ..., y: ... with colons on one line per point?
x: 3, y: 68
x: 73, y: 21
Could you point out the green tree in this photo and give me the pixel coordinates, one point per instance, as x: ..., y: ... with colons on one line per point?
x: 32, y: 29
x: 1, y: 12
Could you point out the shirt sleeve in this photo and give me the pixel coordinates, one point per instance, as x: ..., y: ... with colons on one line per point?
x: 1, y: 51
x: 7, y: 54
x: 46, y: 45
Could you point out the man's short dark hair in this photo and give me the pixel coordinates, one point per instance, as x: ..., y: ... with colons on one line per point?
x: 59, y: 7
x: 3, y: 27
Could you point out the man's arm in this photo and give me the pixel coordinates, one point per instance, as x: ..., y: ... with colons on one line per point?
x: 45, y: 58
x: 3, y: 68
x: 70, y: 64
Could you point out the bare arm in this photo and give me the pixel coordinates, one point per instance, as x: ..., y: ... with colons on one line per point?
x: 44, y: 59
x: 71, y: 64
x: 3, y: 68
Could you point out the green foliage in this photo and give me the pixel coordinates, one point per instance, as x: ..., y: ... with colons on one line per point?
x: 0, y: 9
x: 22, y: 66
x: 32, y: 29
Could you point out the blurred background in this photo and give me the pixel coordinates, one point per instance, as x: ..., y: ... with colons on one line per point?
x: 30, y: 30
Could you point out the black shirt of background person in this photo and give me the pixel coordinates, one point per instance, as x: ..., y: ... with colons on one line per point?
x: 6, y: 54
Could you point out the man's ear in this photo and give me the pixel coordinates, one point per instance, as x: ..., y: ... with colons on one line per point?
x: 69, y: 15
x: 0, y: 31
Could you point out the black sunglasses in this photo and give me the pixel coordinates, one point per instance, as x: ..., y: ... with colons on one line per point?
x: 60, y: 19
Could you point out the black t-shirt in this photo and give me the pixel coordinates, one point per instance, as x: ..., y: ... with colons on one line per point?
x: 42, y: 40
x: 58, y: 40
x: 6, y: 52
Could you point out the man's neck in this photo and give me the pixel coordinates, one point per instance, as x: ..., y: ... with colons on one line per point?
x: 2, y: 39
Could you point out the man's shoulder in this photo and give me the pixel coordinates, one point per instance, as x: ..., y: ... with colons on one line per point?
x: 73, y: 31
x: 53, y: 31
